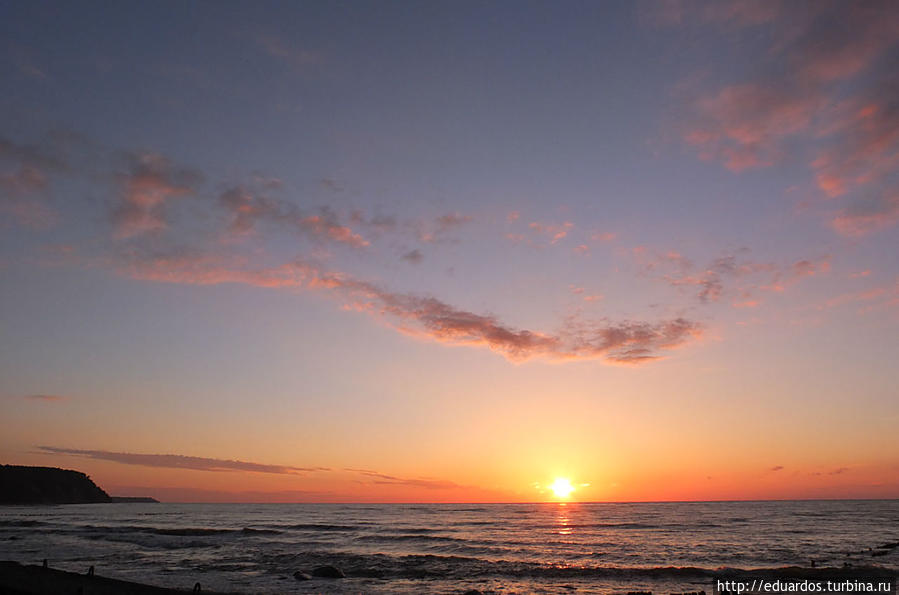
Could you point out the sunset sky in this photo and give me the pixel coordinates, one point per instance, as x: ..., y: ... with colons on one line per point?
x: 452, y: 251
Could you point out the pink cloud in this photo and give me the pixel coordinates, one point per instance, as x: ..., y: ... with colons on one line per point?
x: 429, y: 318
x: 190, y: 269
x: 582, y: 293
x: 556, y: 232
x: 863, y: 138
x: 322, y: 226
x: 815, y: 92
x: 727, y: 275
x: 603, y: 236
x: 248, y: 208
x: 627, y: 342
x: 745, y: 125
x: 865, y: 217
x: 785, y: 277
x: 146, y: 189
x: 868, y: 295
x: 747, y: 304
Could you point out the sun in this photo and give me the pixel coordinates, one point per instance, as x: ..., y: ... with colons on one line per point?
x: 562, y: 487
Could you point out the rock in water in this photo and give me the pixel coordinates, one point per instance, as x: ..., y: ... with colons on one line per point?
x: 301, y: 576
x: 328, y: 572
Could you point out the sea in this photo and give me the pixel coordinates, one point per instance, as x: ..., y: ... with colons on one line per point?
x: 450, y: 548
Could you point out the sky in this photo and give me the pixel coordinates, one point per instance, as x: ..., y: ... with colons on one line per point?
x: 452, y: 251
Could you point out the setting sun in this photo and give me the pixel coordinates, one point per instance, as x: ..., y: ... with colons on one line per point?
x: 562, y: 487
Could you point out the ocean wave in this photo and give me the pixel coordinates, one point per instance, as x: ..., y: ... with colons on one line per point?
x: 155, y: 542
x: 173, y: 531
x: 443, y: 567
x: 410, y: 530
x: 604, y: 526
x: 408, y: 537
x: 19, y: 523
x: 323, y: 527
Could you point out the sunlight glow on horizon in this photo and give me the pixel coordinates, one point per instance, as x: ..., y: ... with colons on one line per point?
x: 386, y: 253
x: 562, y: 487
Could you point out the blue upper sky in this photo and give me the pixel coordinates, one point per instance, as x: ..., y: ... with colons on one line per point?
x: 219, y: 212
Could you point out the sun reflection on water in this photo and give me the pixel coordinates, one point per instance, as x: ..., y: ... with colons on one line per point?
x: 563, y: 520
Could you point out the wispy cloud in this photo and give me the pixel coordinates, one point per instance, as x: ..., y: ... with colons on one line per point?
x: 146, y: 189
x: 174, y: 461
x: 603, y: 236
x: 46, y: 398
x: 744, y: 125
x: 631, y: 342
x: 20, y: 200
x: 837, y: 471
x: 428, y: 483
x: 555, y: 231
x: 248, y: 208
x: 24, y: 181
x: 190, y: 494
x: 728, y: 275
x: 280, y: 48
x: 582, y: 293
x: 191, y: 268
x: 152, y: 244
x: 814, y: 91
x: 206, y: 464
x: 868, y: 215
x: 868, y: 300
x: 440, y: 228
x: 413, y: 256
x: 626, y: 342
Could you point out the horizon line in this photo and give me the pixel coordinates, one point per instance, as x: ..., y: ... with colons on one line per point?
x: 361, y: 503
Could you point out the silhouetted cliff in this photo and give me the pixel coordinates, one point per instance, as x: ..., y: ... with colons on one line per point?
x: 47, y: 485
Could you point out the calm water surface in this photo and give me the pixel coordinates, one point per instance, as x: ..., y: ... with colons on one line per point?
x: 505, y: 548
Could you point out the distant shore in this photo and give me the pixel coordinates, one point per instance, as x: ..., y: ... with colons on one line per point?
x: 20, y: 484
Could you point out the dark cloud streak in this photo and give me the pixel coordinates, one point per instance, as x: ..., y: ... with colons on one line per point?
x: 172, y: 461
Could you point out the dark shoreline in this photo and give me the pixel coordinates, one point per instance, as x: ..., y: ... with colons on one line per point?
x: 21, y: 579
